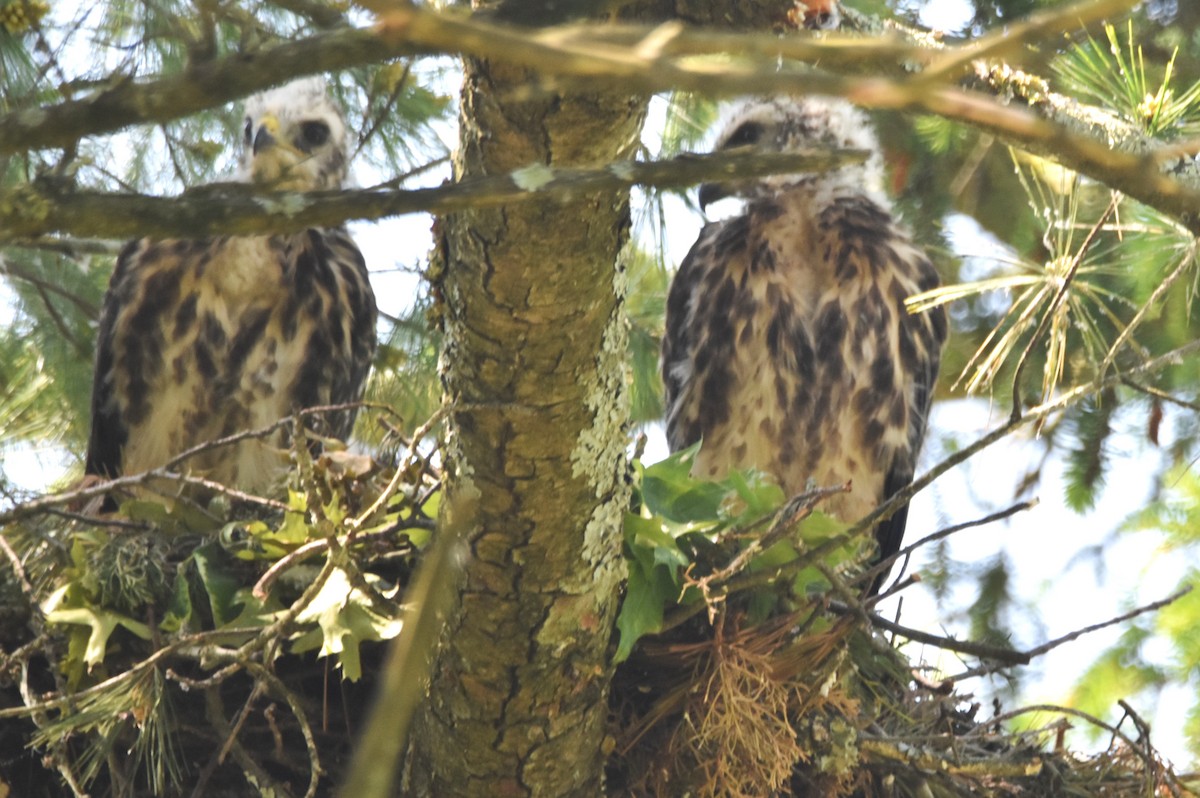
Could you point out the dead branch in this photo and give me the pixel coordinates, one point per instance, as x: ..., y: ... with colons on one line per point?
x: 36, y: 209
x: 1058, y: 641
x: 1005, y: 656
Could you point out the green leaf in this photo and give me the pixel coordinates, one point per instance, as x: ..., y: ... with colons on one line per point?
x: 145, y: 510
x: 648, y: 542
x: 820, y: 527
x: 345, y: 618
x: 219, y: 584
x: 257, y: 541
x: 66, y: 605
x: 655, y: 566
x: 669, y: 490
x: 648, y: 592
x: 179, y: 612
x: 760, y: 494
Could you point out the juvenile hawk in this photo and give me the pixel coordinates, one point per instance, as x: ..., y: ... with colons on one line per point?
x: 203, y: 338
x: 788, y: 347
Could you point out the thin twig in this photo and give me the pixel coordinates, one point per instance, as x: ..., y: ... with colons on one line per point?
x: 1151, y: 607
x: 1189, y: 259
x: 263, y: 586
x: 381, y: 501
x: 93, y: 520
x: 63, y: 701
x: 1005, y: 656
x: 783, y: 522
x: 251, y: 767
x: 1034, y: 414
x: 280, y: 689
x: 261, y: 432
x: 236, y: 727
x: 1159, y: 394
x: 18, y: 271
x: 19, y: 570
x: 906, y: 552
x: 42, y: 503
x: 849, y: 603
x: 1058, y: 641
x: 986, y: 726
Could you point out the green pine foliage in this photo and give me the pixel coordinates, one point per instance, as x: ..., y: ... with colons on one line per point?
x: 1115, y: 75
x: 1087, y: 460
x: 648, y: 281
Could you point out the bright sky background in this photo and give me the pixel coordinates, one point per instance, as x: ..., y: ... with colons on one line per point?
x: 1069, y: 591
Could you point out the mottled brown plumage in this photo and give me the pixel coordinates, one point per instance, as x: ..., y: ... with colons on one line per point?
x: 204, y: 338
x: 787, y: 346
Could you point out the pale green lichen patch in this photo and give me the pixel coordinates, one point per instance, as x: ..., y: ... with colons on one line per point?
x: 599, y: 453
x: 31, y: 118
x: 288, y: 204
x: 623, y: 170
x: 24, y: 205
x: 532, y: 177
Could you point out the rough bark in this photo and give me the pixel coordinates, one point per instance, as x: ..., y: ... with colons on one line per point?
x: 534, y: 362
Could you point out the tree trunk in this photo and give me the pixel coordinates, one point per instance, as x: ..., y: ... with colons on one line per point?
x: 534, y: 362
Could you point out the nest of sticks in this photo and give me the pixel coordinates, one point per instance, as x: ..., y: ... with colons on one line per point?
x: 817, y: 700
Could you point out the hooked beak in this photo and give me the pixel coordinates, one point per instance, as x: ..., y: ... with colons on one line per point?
x: 710, y: 193
x: 268, y: 133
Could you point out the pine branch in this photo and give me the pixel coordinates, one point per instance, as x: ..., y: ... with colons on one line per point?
x: 40, y: 208
x: 203, y: 85
x: 207, y: 84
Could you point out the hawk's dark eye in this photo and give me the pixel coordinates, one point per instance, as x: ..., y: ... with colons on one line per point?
x: 748, y: 133
x: 313, y: 134
x: 249, y: 129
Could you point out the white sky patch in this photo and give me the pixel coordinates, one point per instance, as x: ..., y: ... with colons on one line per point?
x: 946, y: 15
x: 34, y: 468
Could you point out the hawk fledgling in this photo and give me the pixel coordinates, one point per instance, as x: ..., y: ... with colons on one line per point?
x: 203, y: 338
x: 788, y: 347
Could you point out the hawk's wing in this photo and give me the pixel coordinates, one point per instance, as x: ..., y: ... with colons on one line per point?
x: 890, y: 532
x: 331, y: 279
x: 202, y: 339
x: 696, y: 352
x: 109, y: 430
x: 858, y: 233
x: 676, y: 365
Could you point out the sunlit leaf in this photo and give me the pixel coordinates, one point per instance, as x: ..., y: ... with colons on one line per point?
x: 345, y: 618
